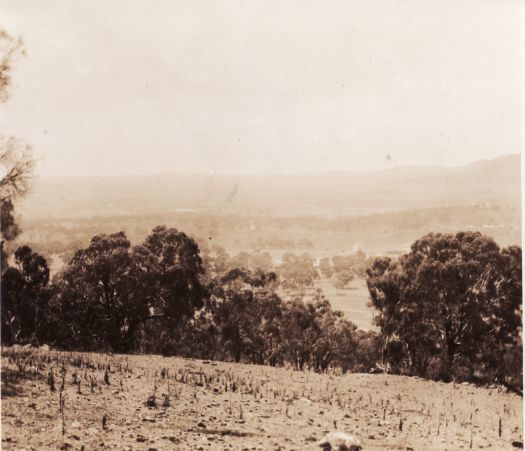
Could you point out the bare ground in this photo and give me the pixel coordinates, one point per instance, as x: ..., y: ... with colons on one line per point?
x: 215, y: 406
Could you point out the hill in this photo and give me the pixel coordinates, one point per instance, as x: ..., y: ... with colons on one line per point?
x: 495, y: 182
x: 211, y: 405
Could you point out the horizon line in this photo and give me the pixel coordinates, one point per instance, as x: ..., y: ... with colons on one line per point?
x: 284, y: 174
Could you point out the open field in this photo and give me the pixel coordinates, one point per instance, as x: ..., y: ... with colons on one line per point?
x: 213, y: 406
x: 352, y: 301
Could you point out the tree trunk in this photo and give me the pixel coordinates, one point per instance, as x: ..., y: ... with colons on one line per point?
x: 450, y: 354
x: 237, y: 354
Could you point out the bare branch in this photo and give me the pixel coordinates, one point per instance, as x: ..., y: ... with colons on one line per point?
x: 10, y: 49
x: 17, y: 166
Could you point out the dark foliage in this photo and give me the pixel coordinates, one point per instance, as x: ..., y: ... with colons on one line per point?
x: 25, y: 296
x: 451, y: 308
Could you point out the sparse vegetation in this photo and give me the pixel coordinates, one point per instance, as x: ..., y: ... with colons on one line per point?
x: 240, y: 406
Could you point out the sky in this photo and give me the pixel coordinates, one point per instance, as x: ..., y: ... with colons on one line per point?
x: 255, y: 86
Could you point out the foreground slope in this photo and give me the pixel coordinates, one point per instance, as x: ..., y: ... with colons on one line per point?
x: 231, y: 406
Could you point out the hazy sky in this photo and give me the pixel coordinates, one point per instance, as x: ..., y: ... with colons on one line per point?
x: 128, y: 87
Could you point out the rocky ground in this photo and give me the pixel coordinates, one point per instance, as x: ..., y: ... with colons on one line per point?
x: 105, y: 401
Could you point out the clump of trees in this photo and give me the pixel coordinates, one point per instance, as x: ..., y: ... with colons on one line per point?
x: 448, y: 309
x: 161, y: 296
x: 297, y: 271
x: 222, y: 261
x: 342, y: 269
x: 25, y: 298
x: 451, y: 308
x: 110, y: 289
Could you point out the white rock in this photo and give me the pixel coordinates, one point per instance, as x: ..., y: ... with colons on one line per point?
x: 340, y: 441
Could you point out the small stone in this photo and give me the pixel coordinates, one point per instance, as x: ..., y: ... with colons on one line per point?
x: 150, y: 419
x: 340, y: 440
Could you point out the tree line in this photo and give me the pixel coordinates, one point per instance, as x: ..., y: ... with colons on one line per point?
x: 448, y: 309
x: 160, y: 296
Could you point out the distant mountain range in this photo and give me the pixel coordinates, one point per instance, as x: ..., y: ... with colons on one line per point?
x: 495, y: 182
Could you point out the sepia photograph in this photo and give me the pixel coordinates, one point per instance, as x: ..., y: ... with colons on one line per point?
x: 261, y: 225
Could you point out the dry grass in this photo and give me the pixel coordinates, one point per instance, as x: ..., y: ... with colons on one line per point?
x: 208, y: 405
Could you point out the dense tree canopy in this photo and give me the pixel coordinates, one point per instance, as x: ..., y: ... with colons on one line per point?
x: 93, y: 297
x: 25, y: 296
x: 157, y: 297
x: 446, y: 297
x: 244, y: 309
x: 170, y: 268
x: 109, y: 290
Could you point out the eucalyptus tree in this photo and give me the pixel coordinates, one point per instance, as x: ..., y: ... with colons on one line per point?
x: 24, y: 297
x: 452, y: 300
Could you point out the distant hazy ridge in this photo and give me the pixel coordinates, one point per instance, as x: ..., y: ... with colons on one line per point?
x: 494, y: 182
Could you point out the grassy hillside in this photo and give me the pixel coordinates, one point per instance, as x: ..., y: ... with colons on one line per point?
x: 216, y: 406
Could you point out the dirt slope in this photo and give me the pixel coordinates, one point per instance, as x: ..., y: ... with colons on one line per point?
x: 228, y: 406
